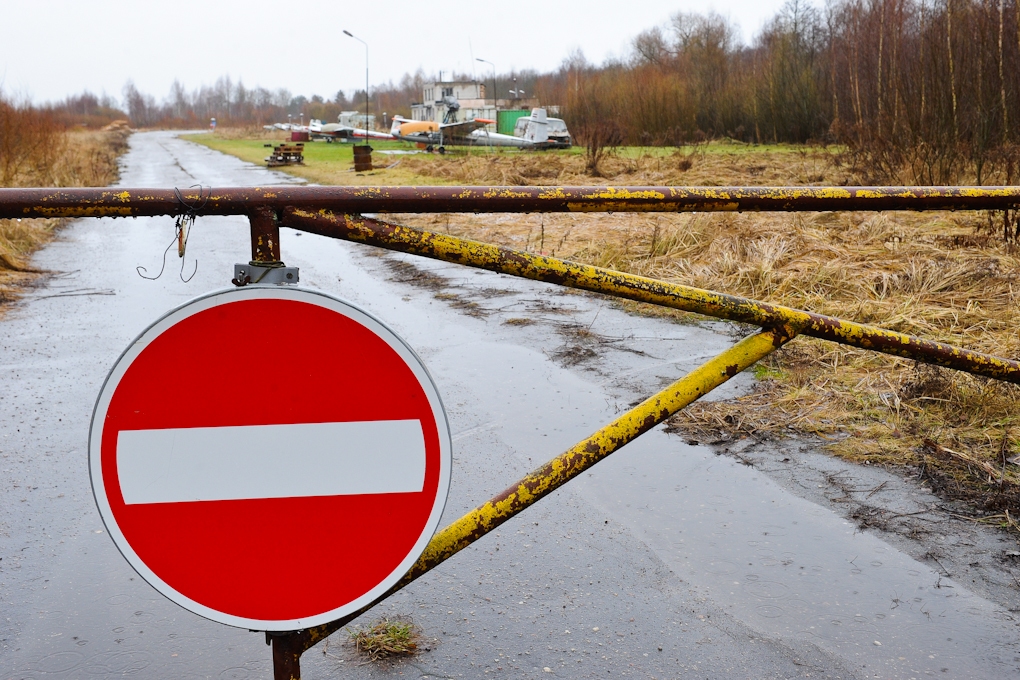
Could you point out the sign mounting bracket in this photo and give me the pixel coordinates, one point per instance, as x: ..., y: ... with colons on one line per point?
x: 265, y: 265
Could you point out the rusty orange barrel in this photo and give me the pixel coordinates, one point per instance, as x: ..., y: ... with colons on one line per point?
x: 362, y: 158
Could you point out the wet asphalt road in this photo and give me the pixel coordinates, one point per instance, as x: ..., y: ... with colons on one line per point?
x: 664, y: 561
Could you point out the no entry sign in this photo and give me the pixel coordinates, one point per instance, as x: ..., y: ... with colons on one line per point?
x: 269, y: 457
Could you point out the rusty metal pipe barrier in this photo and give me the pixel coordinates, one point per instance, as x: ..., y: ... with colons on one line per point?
x: 288, y: 647
x: 642, y: 289
x: 321, y: 210
x: 108, y: 202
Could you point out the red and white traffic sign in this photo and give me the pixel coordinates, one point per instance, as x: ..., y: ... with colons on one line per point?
x: 270, y: 457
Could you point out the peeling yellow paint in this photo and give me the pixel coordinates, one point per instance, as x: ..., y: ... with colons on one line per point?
x: 83, y: 211
x: 710, y: 303
x: 623, y: 193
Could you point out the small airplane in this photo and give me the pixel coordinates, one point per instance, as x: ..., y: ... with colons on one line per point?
x: 334, y: 131
x: 437, y: 136
x: 557, y: 135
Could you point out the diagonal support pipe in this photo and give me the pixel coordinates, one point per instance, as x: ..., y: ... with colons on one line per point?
x: 641, y: 289
x: 539, y: 483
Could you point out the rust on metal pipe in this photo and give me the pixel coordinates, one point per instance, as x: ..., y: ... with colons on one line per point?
x: 287, y: 650
x: 265, y: 235
x: 91, y: 202
x: 642, y: 289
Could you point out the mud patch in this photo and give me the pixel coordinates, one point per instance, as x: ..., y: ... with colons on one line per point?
x: 405, y: 272
x: 444, y: 290
x: 572, y: 355
x: 457, y: 301
x: 581, y: 344
x: 959, y: 476
x: 495, y: 292
x: 540, y: 305
x: 907, y: 524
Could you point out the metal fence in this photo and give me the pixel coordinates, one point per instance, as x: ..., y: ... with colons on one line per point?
x: 338, y: 212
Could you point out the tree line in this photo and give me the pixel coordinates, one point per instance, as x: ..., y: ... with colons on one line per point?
x: 925, y: 91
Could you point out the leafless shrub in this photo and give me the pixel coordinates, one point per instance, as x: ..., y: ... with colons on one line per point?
x: 600, y: 137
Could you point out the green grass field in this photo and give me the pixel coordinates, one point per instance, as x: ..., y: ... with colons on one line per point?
x: 325, y: 163
x: 333, y: 163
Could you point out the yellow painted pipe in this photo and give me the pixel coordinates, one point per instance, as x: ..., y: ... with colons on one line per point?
x: 575, y: 460
x: 642, y: 289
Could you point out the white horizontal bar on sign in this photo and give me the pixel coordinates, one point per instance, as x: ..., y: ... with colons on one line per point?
x: 271, y: 461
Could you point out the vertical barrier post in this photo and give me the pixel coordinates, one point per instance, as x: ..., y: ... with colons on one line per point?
x: 287, y: 650
x: 265, y: 235
x: 265, y: 249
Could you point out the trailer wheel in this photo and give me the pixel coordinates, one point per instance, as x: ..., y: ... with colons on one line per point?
x: 442, y: 149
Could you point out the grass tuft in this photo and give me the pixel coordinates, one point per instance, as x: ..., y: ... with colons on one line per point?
x: 386, y: 638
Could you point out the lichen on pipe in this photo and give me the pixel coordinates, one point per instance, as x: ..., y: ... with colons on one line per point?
x: 125, y: 202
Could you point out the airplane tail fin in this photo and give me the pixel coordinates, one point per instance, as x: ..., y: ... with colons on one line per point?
x: 395, y: 125
x: 538, y: 127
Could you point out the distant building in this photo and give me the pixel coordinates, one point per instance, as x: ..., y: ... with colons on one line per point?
x: 355, y: 119
x: 437, y: 98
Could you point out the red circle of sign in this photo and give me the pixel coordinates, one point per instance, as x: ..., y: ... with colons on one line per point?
x: 270, y: 361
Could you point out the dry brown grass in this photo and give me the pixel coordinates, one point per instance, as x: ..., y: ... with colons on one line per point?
x: 385, y: 639
x: 54, y: 158
x: 946, y: 276
x: 711, y: 165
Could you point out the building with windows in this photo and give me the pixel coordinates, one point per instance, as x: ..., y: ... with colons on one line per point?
x: 453, y: 101
x: 460, y: 100
x: 356, y: 119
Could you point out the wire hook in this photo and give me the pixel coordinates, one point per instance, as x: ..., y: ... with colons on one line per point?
x: 182, y: 230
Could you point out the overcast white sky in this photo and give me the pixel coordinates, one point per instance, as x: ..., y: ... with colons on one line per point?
x: 53, y: 48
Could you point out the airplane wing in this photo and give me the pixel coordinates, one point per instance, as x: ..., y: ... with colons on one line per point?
x: 372, y: 134
x: 429, y: 134
x: 458, y: 131
x: 338, y: 131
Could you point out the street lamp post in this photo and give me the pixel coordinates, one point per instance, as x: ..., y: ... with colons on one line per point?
x: 494, y: 104
x: 351, y: 35
x: 363, y: 154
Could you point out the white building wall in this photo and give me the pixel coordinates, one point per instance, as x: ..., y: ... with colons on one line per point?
x: 470, y: 95
x: 356, y: 119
